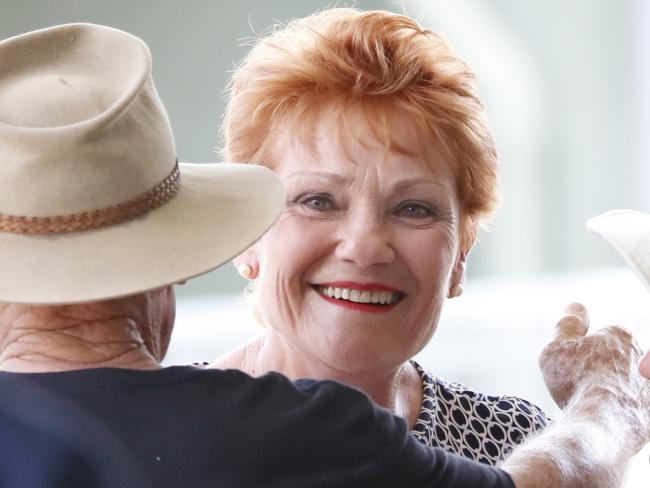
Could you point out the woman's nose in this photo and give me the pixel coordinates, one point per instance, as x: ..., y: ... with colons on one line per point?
x: 365, y: 241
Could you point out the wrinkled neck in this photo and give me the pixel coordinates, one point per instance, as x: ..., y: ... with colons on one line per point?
x: 42, y: 339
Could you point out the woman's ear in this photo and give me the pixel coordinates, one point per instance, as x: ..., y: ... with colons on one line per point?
x: 457, y: 276
x: 247, y: 264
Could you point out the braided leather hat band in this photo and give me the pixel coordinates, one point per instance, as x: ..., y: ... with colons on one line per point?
x: 65, y: 224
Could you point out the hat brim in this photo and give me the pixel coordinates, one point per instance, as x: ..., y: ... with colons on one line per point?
x: 629, y: 232
x: 219, y: 210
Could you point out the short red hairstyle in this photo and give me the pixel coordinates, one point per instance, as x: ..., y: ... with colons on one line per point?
x: 383, y: 62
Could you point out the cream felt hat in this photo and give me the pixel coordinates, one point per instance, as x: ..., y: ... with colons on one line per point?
x: 93, y: 204
x: 629, y: 232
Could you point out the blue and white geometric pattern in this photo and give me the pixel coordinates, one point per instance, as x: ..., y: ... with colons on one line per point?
x: 481, y: 427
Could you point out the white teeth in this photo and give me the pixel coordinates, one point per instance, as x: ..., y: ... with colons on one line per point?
x: 360, y: 296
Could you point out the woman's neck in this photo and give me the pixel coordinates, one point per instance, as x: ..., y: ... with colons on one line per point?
x: 399, y: 389
x: 44, y: 339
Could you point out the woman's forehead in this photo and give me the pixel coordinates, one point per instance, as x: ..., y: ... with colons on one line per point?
x: 333, y: 137
x: 363, y: 168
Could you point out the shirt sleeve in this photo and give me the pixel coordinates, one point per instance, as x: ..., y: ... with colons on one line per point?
x: 366, y: 445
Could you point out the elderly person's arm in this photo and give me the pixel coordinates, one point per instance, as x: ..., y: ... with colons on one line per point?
x: 606, y: 409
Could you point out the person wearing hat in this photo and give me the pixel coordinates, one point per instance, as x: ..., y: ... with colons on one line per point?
x: 98, y: 221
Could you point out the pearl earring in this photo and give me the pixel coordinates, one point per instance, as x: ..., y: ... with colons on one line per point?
x: 246, y: 271
x: 456, y: 291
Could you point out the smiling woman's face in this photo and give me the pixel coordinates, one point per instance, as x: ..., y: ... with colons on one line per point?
x: 355, y: 271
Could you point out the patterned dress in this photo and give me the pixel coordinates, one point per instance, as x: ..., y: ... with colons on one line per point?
x: 481, y: 427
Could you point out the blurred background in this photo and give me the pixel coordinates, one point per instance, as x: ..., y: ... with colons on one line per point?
x: 567, y: 87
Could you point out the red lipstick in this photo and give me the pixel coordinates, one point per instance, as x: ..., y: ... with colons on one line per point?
x: 355, y: 285
x: 363, y: 307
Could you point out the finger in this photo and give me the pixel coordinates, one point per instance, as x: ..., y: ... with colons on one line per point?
x: 580, y: 310
x: 644, y: 365
x: 570, y: 327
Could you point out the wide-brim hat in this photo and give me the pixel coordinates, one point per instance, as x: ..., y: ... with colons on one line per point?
x: 629, y: 232
x: 93, y: 203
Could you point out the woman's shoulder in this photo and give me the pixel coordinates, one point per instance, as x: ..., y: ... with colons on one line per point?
x: 474, y: 424
x: 238, y: 358
x: 504, y: 409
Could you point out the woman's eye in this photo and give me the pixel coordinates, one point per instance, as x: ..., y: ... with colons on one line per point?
x: 318, y: 202
x: 415, y: 210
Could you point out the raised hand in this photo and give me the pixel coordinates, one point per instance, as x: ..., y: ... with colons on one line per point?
x: 595, y: 379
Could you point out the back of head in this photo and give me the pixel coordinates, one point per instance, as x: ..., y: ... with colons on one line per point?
x: 385, y: 63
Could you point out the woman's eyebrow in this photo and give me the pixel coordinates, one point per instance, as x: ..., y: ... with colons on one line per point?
x: 322, y: 175
x: 410, y: 183
x: 337, y: 179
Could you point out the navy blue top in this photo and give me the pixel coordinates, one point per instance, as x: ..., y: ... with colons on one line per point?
x: 185, y: 426
x: 42, y: 446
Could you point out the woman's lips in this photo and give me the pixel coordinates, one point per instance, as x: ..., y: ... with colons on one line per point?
x: 367, y: 297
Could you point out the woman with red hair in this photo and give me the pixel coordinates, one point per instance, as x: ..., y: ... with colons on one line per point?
x: 376, y: 129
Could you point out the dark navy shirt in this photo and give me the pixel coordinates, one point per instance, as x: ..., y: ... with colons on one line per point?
x: 183, y: 426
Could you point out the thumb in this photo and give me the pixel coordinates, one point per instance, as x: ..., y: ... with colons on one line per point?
x: 574, y: 324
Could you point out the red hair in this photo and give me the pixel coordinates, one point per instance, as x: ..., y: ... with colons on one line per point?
x: 383, y: 62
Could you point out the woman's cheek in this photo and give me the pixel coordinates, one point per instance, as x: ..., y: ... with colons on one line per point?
x: 429, y: 257
x: 287, y: 257
x: 279, y: 302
